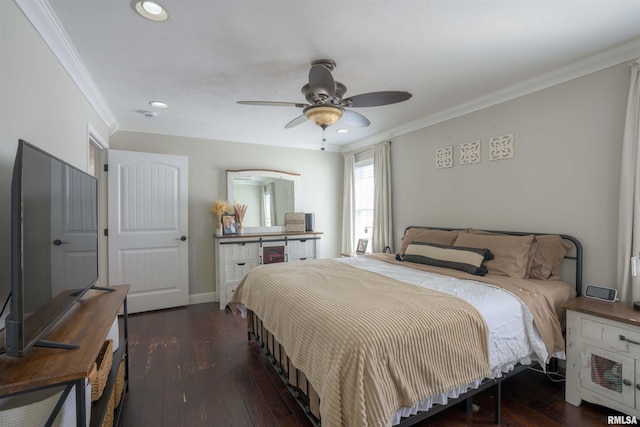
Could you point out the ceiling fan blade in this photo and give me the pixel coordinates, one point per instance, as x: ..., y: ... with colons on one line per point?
x: 352, y: 118
x: 274, y: 104
x: 295, y: 122
x: 321, y: 81
x: 374, y: 99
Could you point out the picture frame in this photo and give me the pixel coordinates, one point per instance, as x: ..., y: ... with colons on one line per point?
x: 229, y: 224
x: 362, y: 246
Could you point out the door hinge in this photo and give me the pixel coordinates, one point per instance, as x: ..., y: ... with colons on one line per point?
x: 106, y: 167
x: 106, y: 232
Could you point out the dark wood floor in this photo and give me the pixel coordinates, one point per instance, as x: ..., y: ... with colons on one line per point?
x: 193, y: 366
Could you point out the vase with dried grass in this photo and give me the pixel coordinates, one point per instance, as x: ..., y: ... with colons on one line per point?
x: 218, y: 208
x: 240, y: 210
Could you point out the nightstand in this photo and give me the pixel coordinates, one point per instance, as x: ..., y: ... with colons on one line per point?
x: 603, y: 354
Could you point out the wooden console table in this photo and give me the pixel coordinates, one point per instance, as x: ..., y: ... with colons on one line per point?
x: 86, y: 325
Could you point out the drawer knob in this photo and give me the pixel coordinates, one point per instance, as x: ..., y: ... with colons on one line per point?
x: 623, y: 338
x: 626, y: 382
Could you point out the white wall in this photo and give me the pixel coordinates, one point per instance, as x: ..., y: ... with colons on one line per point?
x: 564, y: 177
x: 39, y: 103
x: 320, y: 181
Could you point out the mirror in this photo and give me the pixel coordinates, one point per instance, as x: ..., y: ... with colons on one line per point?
x: 268, y: 194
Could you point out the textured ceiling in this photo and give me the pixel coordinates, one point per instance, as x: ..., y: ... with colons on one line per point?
x: 453, y: 56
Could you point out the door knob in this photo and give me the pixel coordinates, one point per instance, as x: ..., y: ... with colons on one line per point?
x: 59, y: 242
x: 183, y: 238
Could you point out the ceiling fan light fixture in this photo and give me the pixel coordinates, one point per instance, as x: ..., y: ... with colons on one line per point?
x: 323, y: 115
x: 151, y: 10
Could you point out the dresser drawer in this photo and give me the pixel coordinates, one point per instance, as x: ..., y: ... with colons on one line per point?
x: 302, y: 249
x: 231, y: 290
x: 241, y: 252
x: 237, y: 270
x: 614, y: 336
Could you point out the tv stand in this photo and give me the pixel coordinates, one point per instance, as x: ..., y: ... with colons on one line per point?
x: 51, y: 344
x: 87, y: 324
x: 97, y: 288
x: 102, y: 288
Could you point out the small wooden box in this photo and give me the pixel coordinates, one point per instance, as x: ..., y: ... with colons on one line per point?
x: 294, y: 222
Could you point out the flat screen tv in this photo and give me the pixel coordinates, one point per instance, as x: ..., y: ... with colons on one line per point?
x: 54, y: 245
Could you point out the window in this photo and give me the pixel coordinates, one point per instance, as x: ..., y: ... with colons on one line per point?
x: 363, y: 183
x: 266, y: 201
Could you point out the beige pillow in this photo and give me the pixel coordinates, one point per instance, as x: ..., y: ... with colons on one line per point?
x: 425, y: 235
x: 532, y: 249
x: 510, y: 253
x: 550, y: 251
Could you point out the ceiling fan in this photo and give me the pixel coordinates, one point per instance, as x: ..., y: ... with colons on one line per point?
x: 326, y: 104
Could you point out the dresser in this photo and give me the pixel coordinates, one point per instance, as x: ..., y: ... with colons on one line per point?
x: 603, y: 354
x: 236, y: 255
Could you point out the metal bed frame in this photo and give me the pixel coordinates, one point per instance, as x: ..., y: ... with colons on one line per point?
x: 271, y: 348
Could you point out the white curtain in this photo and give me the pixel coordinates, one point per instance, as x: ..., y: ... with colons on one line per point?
x: 629, y: 214
x: 382, y: 220
x: 348, y: 205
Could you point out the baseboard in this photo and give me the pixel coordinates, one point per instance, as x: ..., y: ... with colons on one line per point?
x: 203, y: 297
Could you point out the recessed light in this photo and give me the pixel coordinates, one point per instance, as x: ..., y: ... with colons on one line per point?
x: 158, y: 104
x: 342, y: 131
x: 151, y: 10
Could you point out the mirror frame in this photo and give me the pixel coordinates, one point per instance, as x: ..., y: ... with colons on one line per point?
x: 265, y: 173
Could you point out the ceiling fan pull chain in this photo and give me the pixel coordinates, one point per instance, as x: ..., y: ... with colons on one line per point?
x: 323, y: 139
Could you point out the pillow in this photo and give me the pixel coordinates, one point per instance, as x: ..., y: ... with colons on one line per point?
x: 470, y: 260
x: 510, y: 253
x: 550, y: 252
x: 532, y: 249
x: 425, y: 235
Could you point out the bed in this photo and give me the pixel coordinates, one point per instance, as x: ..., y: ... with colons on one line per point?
x: 391, y: 339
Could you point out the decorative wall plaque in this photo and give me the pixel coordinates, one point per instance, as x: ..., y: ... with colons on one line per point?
x: 444, y: 157
x: 501, y: 147
x: 470, y: 152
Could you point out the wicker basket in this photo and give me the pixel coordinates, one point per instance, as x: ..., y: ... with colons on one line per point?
x: 104, y: 362
x: 119, y: 387
x: 109, y: 416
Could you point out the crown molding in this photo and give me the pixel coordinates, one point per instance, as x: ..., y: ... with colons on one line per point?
x: 41, y: 16
x: 626, y: 52
x: 205, y: 134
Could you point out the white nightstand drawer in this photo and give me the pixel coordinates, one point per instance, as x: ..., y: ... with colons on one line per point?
x: 614, y: 336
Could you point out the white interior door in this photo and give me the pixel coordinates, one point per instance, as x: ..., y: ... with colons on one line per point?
x: 148, y: 228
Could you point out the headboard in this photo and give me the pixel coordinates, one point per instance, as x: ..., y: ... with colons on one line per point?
x: 574, y: 254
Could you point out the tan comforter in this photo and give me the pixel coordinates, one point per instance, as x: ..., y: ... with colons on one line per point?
x: 367, y: 351
x: 542, y: 297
